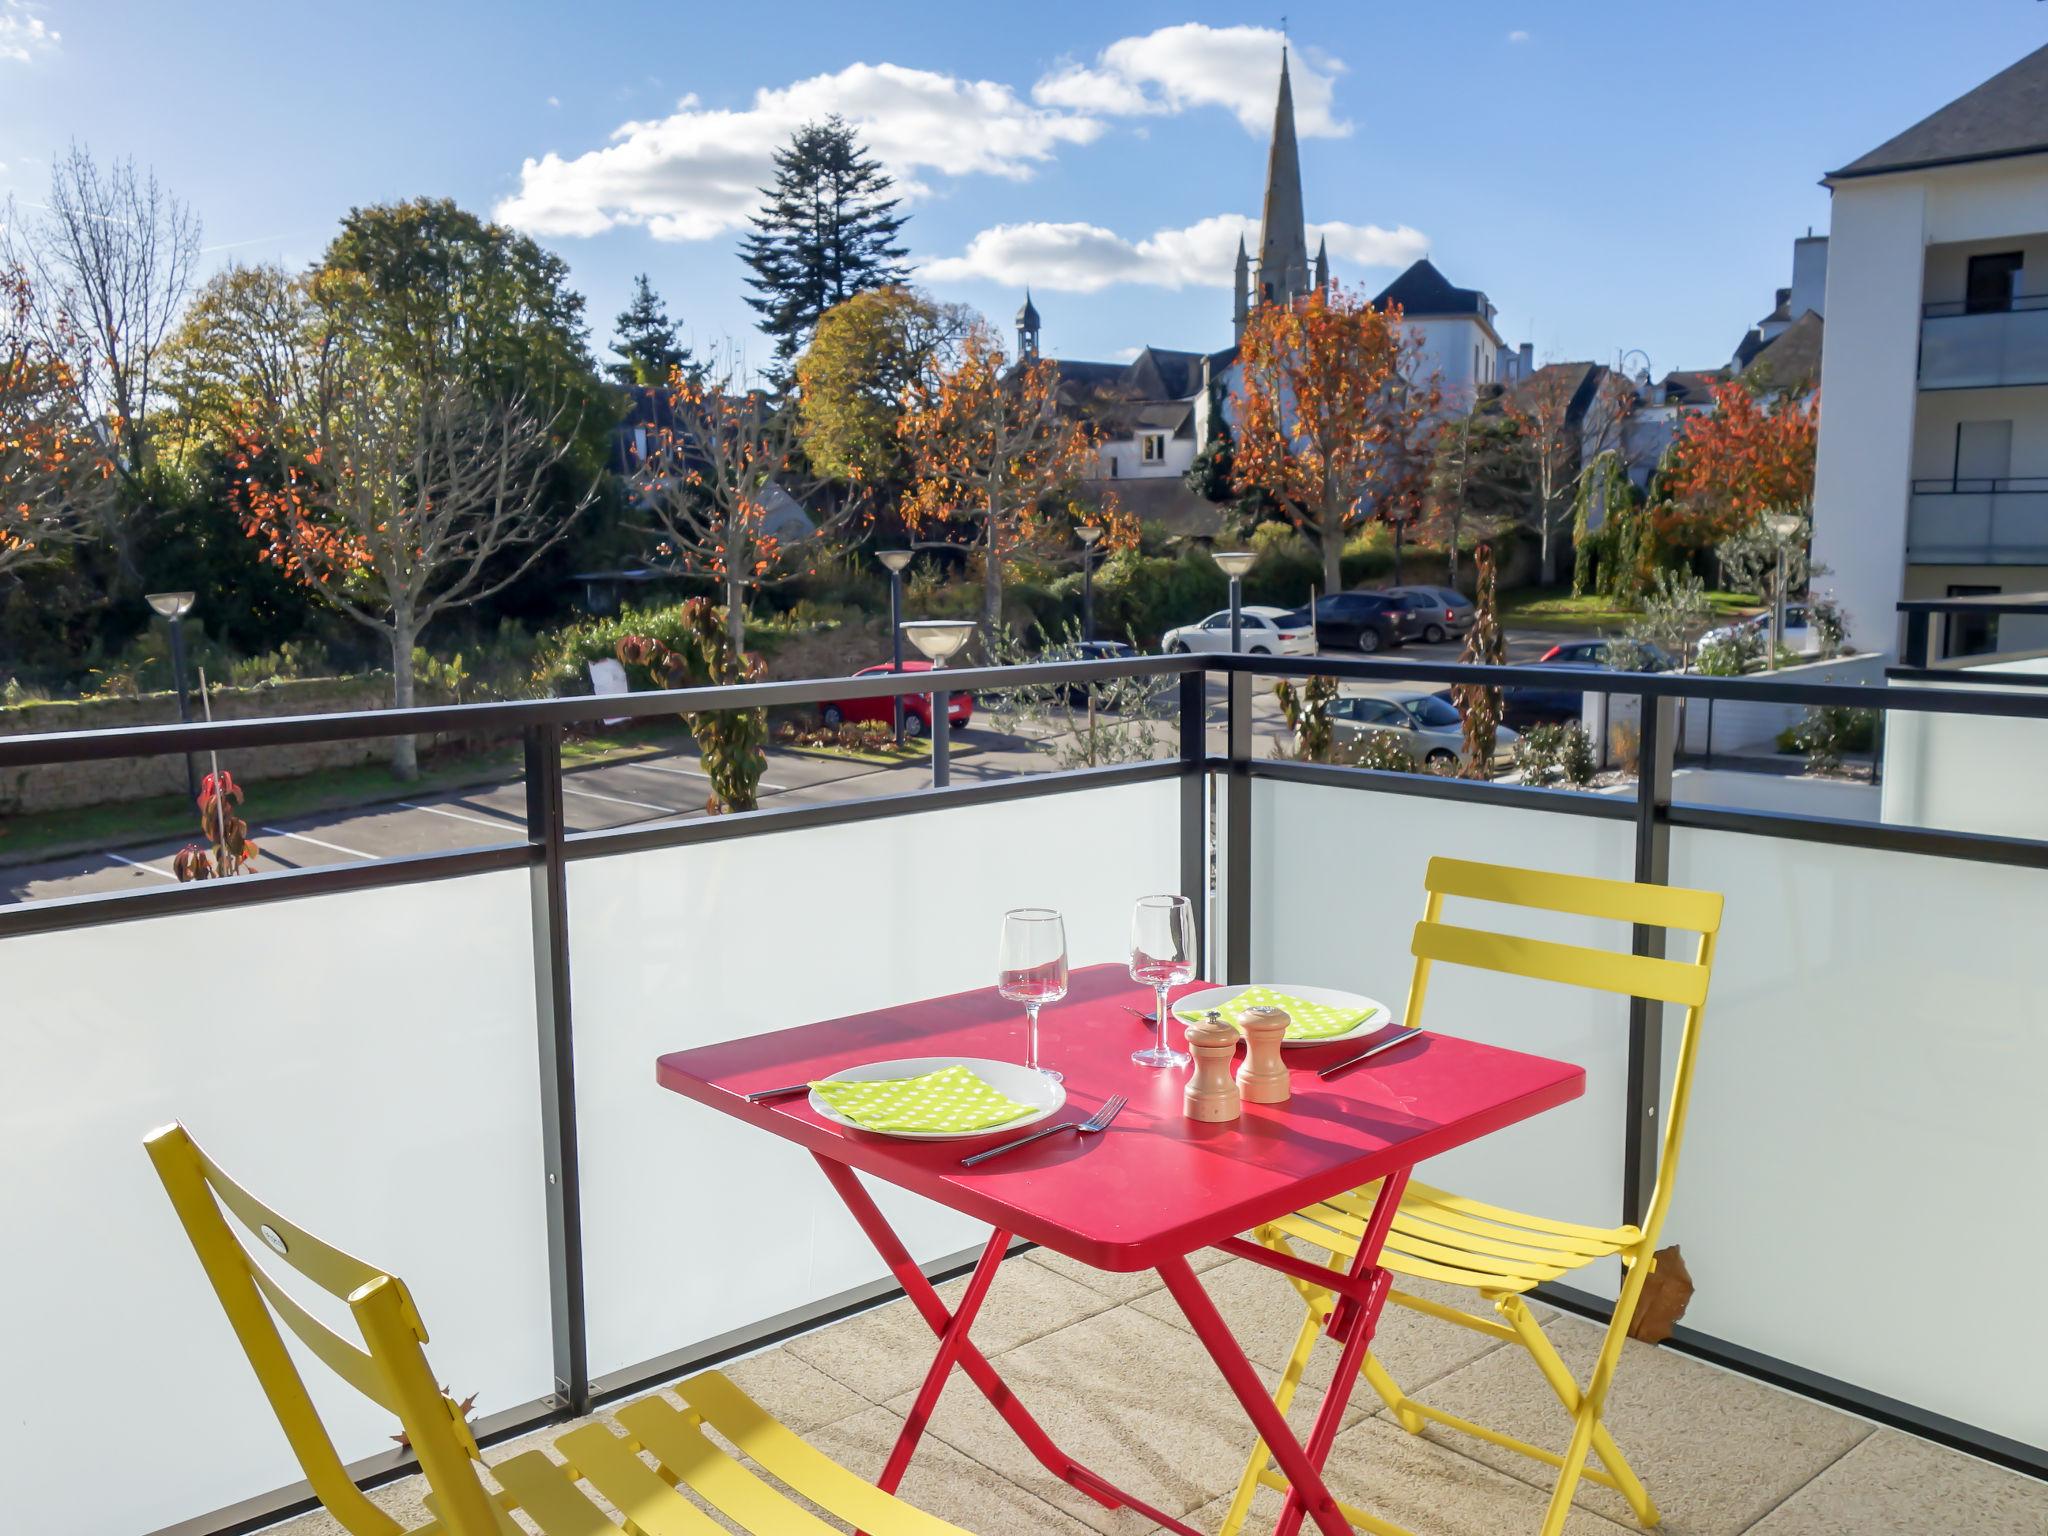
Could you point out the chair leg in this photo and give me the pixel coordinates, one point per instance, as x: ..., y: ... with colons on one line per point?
x: 1283, y: 1399
x: 1584, y: 1422
x: 1516, y: 1312
x: 1390, y: 1393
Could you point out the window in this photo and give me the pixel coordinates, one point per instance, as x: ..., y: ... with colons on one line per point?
x: 1434, y: 710
x: 1217, y: 620
x: 1970, y: 634
x: 1113, y: 463
x: 1992, y: 283
x: 1152, y: 447
x: 1983, y: 454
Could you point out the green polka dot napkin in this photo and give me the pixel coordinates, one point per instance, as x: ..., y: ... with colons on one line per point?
x: 1306, y: 1020
x: 951, y: 1099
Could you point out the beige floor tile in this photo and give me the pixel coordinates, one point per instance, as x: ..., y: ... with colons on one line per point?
x: 1266, y: 1313
x: 1716, y: 1450
x: 943, y: 1482
x: 1893, y: 1482
x: 883, y: 1353
x: 793, y: 1390
x: 1136, y: 1401
x: 1119, y: 1287
x: 1424, y: 1487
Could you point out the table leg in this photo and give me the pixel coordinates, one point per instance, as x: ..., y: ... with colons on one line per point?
x: 969, y: 1358
x: 951, y: 1340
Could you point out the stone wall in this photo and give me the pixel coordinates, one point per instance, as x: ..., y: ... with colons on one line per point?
x: 69, y: 786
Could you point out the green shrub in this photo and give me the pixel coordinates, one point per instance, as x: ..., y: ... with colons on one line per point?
x: 1828, y: 733
x: 1375, y: 749
x: 1546, y: 754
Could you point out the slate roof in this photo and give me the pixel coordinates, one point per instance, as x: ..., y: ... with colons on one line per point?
x: 2006, y: 115
x: 1422, y: 290
x: 1583, y: 380
x: 1163, y: 501
x: 1690, y: 386
x: 1790, y: 360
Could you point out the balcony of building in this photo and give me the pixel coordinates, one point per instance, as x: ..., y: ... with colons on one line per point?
x: 445, y: 1062
x: 1992, y: 521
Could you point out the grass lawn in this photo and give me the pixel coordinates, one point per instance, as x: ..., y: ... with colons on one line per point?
x: 53, y: 834
x: 1556, y: 608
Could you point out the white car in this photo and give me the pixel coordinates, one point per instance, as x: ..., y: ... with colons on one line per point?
x: 1261, y: 632
x: 1427, y: 726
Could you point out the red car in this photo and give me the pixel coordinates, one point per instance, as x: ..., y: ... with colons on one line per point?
x: 917, y: 707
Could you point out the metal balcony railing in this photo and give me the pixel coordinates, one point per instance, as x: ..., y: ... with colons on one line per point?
x: 1965, y: 348
x: 483, y: 1024
x: 1978, y: 522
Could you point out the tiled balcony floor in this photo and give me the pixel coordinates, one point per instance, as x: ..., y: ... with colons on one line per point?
x: 1108, y: 1365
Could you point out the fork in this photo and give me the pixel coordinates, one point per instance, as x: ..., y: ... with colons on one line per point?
x: 1099, y: 1121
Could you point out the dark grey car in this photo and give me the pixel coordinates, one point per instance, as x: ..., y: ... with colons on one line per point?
x: 1435, y: 613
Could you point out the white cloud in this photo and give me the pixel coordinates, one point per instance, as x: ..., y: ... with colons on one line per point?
x: 697, y: 172
x: 1518, y: 36
x: 1086, y: 258
x: 24, y: 36
x: 554, y: 101
x: 1191, y: 65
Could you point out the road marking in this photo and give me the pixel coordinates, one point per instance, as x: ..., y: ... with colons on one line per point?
x: 694, y: 773
x: 354, y: 853
x: 138, y: 864
x: 591, y: 794
x: 482, y: 821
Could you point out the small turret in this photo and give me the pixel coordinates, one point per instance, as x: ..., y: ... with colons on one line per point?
x: 1323, y: 265
x: 1241, y: 309
x: 1027, y: 330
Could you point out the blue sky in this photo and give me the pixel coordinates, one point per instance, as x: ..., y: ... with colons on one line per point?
x: 1614, y: 175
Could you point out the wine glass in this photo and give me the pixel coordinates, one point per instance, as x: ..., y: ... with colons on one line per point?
x: 1032, y: 969
x: 1162, y: 953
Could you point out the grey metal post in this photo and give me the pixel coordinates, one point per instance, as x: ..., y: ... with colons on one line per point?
x: 942, y: 737
x: 896, y: 639
x: 1236, y: 612
x: 1087, y: 592
x: 1917, y: 626
x: 1237, y: 850
x: 545, y: 829
x: 184, y: 708
x: 1641, y: 1138
x: 1194, y: 802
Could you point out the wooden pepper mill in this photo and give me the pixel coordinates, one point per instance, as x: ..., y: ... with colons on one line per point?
x: 1210, y: 1094
x: 1263, y: 1078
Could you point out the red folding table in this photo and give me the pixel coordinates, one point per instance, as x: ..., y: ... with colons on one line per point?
x: 1146, y: 1193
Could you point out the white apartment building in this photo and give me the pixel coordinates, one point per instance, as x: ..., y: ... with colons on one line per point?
x: 1933, y: 463
x: 1457, y: 342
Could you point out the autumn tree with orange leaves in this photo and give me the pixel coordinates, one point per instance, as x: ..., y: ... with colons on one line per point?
x: 714, y: 478
x: 54, y: 480
x: 399, y: 495
x: 1728, y: 465
x: 1332, y: 412
x: 991, y: 451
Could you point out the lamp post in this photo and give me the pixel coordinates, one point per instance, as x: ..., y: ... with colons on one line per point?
x: 940, y: 640
x: 1783, y: 529
x: 1234, y: 563
x: 895, y: 561
x: 1088, y: 538
x: 174, y: 606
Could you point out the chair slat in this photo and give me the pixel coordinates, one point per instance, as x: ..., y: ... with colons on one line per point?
x: 549, y: 1499
x: 334, y: 1271
x: 633, y: 1487
x: 1420, y: 1192
x: 351, y: 1364
x: 1668, y: 981
x: 788, y: 1459
x: 684, y: 1449
x: 1660, y: 906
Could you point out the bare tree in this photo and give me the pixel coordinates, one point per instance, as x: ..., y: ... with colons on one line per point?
x: 53, y: 479
x: 112, y: 260
x: 407, y: 500
x: 713, y: 476
x: 1560, y: 445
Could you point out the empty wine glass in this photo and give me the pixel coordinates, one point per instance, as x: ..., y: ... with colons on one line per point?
x: 1032, y: 969
x: 1162, y: 953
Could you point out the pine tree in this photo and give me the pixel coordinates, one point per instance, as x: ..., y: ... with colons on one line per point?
x: 827, y: 232
x: 648, y: 347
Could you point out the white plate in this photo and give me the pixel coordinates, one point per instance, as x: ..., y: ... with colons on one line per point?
x: 1216, y: 997
x: 1006, y: 1077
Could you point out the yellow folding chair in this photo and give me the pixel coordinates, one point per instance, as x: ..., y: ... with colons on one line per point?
x: 393, y: 1372
x: 1502, y: 1253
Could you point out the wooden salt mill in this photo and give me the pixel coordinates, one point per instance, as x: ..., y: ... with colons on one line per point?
x: 1210, y: 1094
x: 1263, y: 1078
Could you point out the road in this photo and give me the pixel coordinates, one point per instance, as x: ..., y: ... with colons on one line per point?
x: 665, y: 787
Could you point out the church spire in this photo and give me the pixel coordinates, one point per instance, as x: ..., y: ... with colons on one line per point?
x: 1323, y: 265
x: 1283, y: 236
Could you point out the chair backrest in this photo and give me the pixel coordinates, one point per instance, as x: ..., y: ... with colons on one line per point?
x: 391, y: 1371
x: 1658, y: 979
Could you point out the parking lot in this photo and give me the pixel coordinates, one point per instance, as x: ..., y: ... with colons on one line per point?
x: 663, y: 787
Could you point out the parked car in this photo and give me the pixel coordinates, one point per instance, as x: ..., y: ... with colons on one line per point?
x: 1620, y: 655
x: 1365, y: 621
x: 1798, y: 625
x: 1263, y: 632
x: 1546, y: 703
x: 917, y: 707
x: 1435, y: 614
x: 1092, y: 650
x: 1427, y: 726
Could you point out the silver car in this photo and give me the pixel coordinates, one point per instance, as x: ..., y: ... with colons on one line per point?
x: 1425, y: 725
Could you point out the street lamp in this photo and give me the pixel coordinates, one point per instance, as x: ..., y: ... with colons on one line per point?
x: 1234, y: 563
x: 1088, y: 537
x: 940, y: 640
x: 895, y: 561
x: 174, y: 606
x: 1784, y: 529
